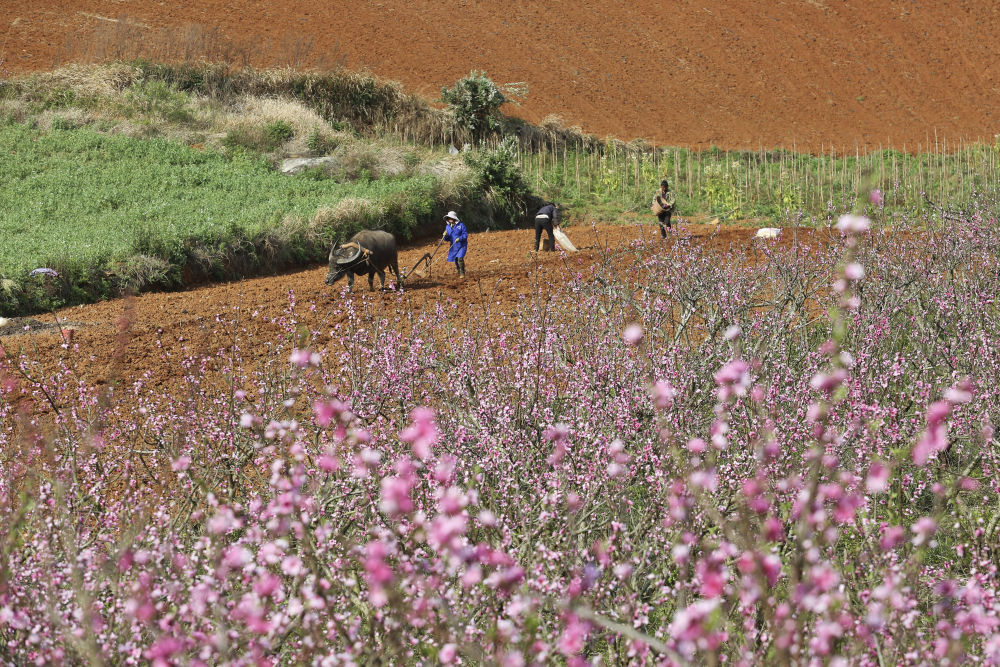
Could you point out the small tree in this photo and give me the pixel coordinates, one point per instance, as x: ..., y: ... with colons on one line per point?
x: 476, y: 100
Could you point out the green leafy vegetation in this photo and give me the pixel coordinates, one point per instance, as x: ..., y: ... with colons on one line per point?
x: 109, y: 211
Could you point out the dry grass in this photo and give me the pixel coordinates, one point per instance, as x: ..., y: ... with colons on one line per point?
x: 256, y: 113
x: 349, y: 209
x: 71, y: 118
x: 126, y: 38
x: 84, y: 81
x: 453, y: 176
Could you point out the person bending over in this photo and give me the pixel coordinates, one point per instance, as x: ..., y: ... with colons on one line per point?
x: 546, y: 218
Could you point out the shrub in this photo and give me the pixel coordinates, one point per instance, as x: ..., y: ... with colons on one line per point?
x: 159, y: 98
x: 278, y: 132
x: 499, y: 177
x: 319, y: 143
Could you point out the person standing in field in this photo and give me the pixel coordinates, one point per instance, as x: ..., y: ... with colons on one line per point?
x: 456, y: 234
x: 546, y: 218
x: 665, y: 201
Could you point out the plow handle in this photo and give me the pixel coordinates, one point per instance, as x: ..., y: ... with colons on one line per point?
x: 435, y: 250
x: 427, y: 256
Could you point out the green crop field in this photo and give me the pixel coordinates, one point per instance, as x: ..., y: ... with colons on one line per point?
x: 78, y: 197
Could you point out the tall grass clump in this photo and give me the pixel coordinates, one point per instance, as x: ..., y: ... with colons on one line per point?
x: 699, y: 460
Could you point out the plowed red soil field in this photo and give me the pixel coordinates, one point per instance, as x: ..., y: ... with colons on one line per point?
x: 733, y: 73
x: 161, y: 329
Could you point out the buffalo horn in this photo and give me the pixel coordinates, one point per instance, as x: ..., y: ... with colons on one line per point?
x: 348, y: 258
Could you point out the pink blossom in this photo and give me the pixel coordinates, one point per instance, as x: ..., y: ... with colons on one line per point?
x: 771, y: 566
x: 236, y: 556
x: 299, y: 358
x: 328, y: 461
x: 713, y: 576
x: 422, y: 433
x: 453, y: 501
x: 968, y: 484
x: 854, y: 224
x: 292, y: 566
x: 933, y: 440
x: 377, y: 572
x: 324, y: 411
x: 734, y: 372
x: 472, y: 575
x: 824, y: 577
x: 892, y: 537
x: 663, y: 394
x: 828, y: 382
x: 574, y: 636
x: 923, y: 529
x: 696, y: 446
x: 854, y: 271
x: 395, y: 491
x: 266, y: 584
x: 774, y: 530
x: 633, y: 334
x: 446, y: 531
x: 558, y: 433
x: 960, y: 393
x: 447, y: 654
x: 163, y: 649
x: 938, y: 412
x: 689, y: 623
x: 878, y: 477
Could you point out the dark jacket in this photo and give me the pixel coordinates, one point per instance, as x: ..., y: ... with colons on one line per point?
x: 549, y: 211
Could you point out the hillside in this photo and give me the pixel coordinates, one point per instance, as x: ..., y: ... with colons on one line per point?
x: 733, y: 73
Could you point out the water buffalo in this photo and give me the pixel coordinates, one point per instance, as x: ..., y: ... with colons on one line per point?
x: 368, y: 251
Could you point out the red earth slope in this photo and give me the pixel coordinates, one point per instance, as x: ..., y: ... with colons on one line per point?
x: 733, y: 73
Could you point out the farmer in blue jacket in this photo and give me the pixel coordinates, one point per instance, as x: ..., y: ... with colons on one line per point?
x: 456, y: 233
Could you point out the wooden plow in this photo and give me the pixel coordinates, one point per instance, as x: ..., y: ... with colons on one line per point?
x: 422, y: 267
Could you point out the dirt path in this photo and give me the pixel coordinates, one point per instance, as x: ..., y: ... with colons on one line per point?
x: 731, y: 73
x: 163, y: 328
